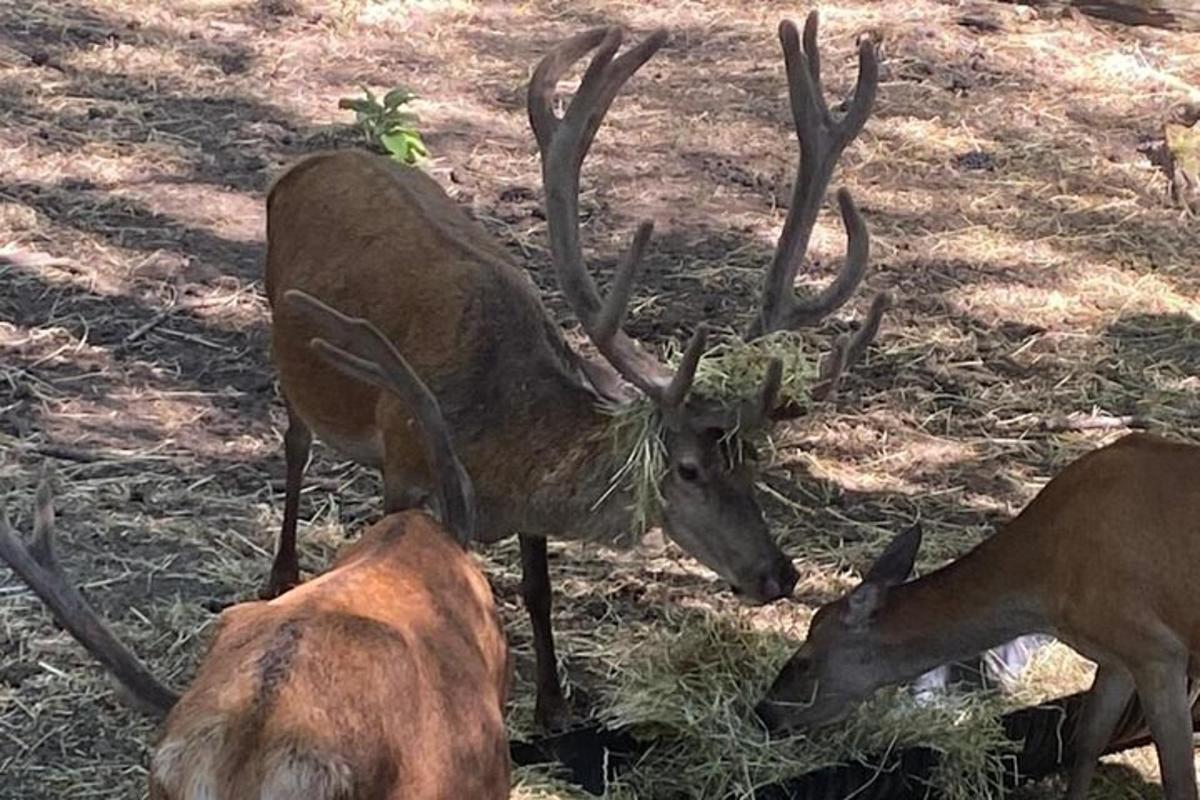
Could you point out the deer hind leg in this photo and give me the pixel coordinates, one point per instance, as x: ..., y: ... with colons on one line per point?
x: 1111, y: 692
x: 1163, y: 690
x: 550, y: 712
x: 297, y: 445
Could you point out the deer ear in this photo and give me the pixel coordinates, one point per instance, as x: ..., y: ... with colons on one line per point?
x: 892, y: 567
x: 862, y: 603
x: 895, y: 564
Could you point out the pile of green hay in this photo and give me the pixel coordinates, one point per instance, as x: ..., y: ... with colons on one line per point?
x: 691, y: 691
x: 733, y: 368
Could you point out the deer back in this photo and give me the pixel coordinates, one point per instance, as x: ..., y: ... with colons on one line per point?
x: 1114, y: 538
x: 386, y: 677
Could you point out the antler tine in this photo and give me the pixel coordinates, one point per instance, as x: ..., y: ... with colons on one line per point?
x: 830, y: 373
x: 880, y: 303
x: 863, y: 101
x: 611, y: 318
x: 847, y: 350
x: 364, y: 353
x: 550, y: 71
x: 813, y: 54
x: 563, y: 144
x: 681, y: 383
x: 822, y: 140
x: 37, y: 566
x: 757, y: 410
x: 771, y: 384
x: 810, y: 311
x: 42, y: 545
x: 374, y: 352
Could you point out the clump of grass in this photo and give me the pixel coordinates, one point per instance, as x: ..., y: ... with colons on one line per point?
x: 734, y: 368
x: 692, y: 691
x: 641, y: 453
x: 542, y: 782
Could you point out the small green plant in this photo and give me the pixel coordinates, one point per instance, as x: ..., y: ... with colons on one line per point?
x: 386, y: 124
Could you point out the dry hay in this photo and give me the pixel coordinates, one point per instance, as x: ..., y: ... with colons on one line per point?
x: 1040, y: 277
x: 692, y: 691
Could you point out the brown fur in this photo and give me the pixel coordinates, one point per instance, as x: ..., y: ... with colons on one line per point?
x: 1104, y: 558
x: 384, y: 678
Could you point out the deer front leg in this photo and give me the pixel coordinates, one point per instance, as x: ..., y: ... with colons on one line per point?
x: 1112, y: 689
x: 1163, y: 689
x: 550, y: 712
x: 297, y: 444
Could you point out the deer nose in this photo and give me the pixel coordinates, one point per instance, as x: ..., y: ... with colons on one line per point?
x: 781, y: 583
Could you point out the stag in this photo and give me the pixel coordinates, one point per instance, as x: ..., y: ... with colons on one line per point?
x: 532, y: 417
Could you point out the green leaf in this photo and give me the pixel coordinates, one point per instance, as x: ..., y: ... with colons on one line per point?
x: 357, y: 104
x: 400, y: 119
x: 404, y: 145
x: 397, y: 97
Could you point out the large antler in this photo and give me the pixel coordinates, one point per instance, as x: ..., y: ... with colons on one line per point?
x: 37, y: 565
x: 564, y: 144
x: 822, y: 139
x: 363, y: 352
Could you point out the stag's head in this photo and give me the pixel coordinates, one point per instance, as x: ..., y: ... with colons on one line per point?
x: 708, y: 502
x: 709, y: 505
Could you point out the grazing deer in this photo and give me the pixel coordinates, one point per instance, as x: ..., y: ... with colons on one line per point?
x: 1104, y: 558
x: 383, y: 679
x: 530, y: 416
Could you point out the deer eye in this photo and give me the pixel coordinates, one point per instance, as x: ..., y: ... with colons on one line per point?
x: 688, y: 472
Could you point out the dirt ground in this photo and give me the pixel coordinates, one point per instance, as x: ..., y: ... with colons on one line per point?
x: 1038, y: 270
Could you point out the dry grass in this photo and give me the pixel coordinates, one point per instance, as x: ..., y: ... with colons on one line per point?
x: 691, y: 691
x: 1038, y: 273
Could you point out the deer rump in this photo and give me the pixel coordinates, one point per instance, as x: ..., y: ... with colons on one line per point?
x: 293, y: 706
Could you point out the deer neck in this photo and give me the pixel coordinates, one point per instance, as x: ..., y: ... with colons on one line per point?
x: 559, y: 480
x: 590, y: 501
x: 980, y: 601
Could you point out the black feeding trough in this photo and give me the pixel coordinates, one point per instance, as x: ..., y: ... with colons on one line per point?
x: 1042, y: 732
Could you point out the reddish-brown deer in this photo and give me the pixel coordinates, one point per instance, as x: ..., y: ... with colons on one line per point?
x: 1104, y: 558
x: 528, y: 415
x: 383, y: 679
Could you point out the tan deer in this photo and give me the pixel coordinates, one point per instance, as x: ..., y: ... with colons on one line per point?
x: 1105, y: 558
x: 383, y: 679
x: 531, y: 417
